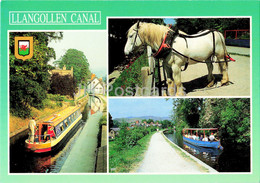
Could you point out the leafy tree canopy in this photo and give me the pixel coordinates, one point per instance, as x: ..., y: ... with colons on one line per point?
x: 194, y: 25
x: 63, y: 85
x: 76, y: 59
x: 29, y: 80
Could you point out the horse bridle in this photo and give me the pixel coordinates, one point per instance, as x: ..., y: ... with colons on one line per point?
x: 137, y: 26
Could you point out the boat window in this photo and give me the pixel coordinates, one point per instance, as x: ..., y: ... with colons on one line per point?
x: 66, y: 123
x: 58, y: 129
x: 69, y: 118
x: 61, y: 126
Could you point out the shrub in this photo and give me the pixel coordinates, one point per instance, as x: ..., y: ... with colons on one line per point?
x: 128, y: 138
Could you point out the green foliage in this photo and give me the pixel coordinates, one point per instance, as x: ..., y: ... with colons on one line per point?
x: 53, y: 100
x: 29, y: 80
x: 76, y: 59
x: 85, y: 113
x: 194, y: 25
x: 125, y: 160
x: 187, y: 110
x: 128, y: 138
x: 129, y: 78
x: 166, y: 124
x: 103, y: 120
x: 63, y: 85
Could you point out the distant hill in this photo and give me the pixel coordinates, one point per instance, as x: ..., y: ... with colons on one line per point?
x: 133, y: 119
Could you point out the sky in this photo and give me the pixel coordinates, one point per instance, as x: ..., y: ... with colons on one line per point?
x: 137, y: 107
x: 169, y: 21
x: 92, y: 43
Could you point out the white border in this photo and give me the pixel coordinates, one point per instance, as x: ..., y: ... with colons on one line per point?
x: 100, y: 17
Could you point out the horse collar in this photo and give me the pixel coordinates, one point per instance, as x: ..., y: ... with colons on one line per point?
x: 165, y: 47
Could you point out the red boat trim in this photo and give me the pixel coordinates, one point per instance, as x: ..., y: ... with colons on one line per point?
x: 42, y: 150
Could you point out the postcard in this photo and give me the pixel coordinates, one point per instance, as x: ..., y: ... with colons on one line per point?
x: 129, y: 91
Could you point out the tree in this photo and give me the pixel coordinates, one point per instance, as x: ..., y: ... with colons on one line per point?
x: 76, y: 59
x: 29, y: 80
x: 194, y: 25
x: 63, y: 85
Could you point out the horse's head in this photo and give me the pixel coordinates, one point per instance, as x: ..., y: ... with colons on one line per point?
x: 133, y: 39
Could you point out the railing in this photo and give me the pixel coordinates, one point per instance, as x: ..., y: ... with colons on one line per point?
x: 236, y: 31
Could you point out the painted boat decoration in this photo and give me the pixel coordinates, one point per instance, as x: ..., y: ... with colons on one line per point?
x: 198, y: 142
x: 53, y: 130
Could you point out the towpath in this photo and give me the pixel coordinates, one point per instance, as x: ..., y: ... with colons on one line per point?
x: 162, y: 158
x: 82, y: 156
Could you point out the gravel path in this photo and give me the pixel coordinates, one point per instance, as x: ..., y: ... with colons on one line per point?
x: 162, y: 158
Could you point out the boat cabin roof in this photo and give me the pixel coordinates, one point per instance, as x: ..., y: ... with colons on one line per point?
x: 60, y: 116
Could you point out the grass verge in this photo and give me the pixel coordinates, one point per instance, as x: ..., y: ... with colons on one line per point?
x: 126, y: 160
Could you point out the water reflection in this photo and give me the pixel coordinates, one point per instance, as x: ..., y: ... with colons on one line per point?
x: 209, y: 156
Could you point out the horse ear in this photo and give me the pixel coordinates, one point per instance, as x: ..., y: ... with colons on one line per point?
x: 137, y: 26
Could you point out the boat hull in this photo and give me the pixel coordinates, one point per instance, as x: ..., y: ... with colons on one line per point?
x: 208, y: 144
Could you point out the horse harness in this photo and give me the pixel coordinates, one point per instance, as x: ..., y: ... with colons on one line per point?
x: 165, y: 47
x: 170, y: 36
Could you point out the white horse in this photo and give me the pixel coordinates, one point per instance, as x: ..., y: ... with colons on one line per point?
x: 190, y: 49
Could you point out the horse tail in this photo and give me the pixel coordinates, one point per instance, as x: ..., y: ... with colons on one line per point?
x: 223, y: 44
x: 220, y: 65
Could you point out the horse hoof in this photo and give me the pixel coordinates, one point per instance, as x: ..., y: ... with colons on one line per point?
x: 180, y: 94
x: 224, y: 83
x: 210, y: 84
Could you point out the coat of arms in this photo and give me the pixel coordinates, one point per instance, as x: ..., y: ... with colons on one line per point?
x: 23, y: 48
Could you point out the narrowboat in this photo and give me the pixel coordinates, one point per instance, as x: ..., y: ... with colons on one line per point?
x: 54, y: 130
x: 187, y: 132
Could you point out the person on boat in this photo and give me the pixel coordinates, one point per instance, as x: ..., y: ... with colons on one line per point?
x: 211, y: 137
x: 197, y: 137
x: 201, y: 137
x: 205, y: 138
x: 194, y: 137
x: 49, y: 134
x: 32, y: 129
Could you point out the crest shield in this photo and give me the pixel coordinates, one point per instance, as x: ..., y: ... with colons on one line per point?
x: 23, y: 48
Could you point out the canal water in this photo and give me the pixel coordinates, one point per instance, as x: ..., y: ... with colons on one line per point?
x: 227, y: 160
x: 22, y: 161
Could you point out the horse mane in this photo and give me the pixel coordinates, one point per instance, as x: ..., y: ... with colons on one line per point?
x: 150, y: 33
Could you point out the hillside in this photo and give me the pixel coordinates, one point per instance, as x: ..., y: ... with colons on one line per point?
x: 132, y: 119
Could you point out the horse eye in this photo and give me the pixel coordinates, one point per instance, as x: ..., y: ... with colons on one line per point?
x: 130, y: 36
